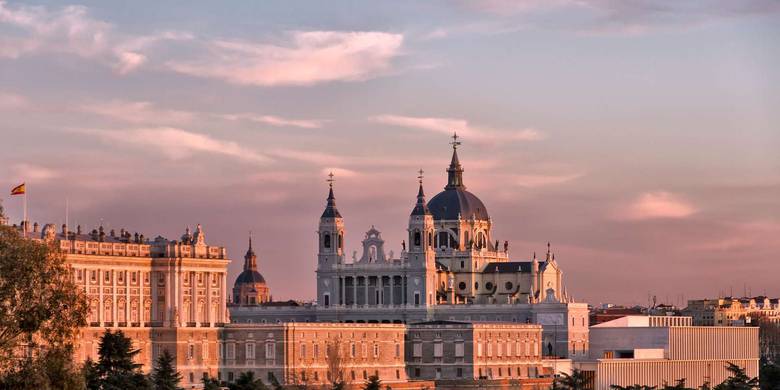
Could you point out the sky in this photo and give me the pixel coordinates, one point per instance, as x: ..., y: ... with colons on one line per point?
x: 641, y: 139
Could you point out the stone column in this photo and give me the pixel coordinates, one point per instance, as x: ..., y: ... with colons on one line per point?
x: 223, y: 299
x: 153, y: 286
x: 101, y: 306
x: 392, y: 290
x: 354, y: 290
x: 113, y: 296
x: 365, y: 290
x: 209, y: 318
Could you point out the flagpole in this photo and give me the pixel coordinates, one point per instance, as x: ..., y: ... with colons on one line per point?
x: 24, y: 202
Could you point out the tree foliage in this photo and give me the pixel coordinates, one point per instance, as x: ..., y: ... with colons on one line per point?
x: 334, y: 358
x: 41, y: 308
x: 769, y: 377
x: 164, y: 375
x: 632, y: 387
x: 739, y: 380
x: 116, y: 369
x: 211, y: 383
x: 574, y: 381
x: 373, y: 383
x: 247, y: 381
x: 51, y: 369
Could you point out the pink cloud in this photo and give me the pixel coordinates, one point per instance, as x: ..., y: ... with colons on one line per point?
x: 274, y: 120
x: 479, y: 134
x: 12, y: 101
x: 138, y: 112
x: 72, y: 30
x: 654, y: 205
x: 311, y: 57
x: 178, y: 144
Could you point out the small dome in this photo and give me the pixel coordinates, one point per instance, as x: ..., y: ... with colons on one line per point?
x: 249, y: 277
x: 450, y: 203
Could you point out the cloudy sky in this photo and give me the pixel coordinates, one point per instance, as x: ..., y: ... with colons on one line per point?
x: 642, y: 138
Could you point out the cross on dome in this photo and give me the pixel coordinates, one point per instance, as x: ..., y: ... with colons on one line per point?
x: 455, y: 143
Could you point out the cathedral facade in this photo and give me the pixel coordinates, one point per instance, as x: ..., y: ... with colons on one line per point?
x: 450, y: 268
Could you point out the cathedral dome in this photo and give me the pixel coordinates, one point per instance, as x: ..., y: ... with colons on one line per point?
x: 450, y: 203
x: 250, y: 277
x: 455, y: 201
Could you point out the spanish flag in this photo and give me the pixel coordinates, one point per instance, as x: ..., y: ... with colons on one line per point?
x: 18, y: 190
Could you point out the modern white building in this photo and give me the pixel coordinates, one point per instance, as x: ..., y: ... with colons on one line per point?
x: 648, y: 350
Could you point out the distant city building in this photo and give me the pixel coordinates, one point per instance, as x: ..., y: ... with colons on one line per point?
x: 609, y: 313
x: 450, y: 269
x: 730, y: 311
x: 653, y: 350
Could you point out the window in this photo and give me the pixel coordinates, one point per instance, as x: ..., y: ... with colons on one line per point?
x: 270, y: 350
x: 352, y: 350
x: 316, y: 351
x: 231, y: 351
x: 488, y: 286
x: 462, y: 264
x: 462, y: 285
x: 459, y: 349
x: 417, y: 371
x: 107, y: 276
x: 417, y: 238
x: 417, y: 298
x: 489, y: 349
x: 190, y: 351
x: 397, y: 374
x: 460, y: 372
x: 479, y: 349
x: 417, y: 350
x: 376, y: 350
x: 230, y: 376
x: 508, y: 285
x: 438, y: 350
x: 365, y: 350
x: 327, y: 300
x: 303, y: 351
x: 476, y: 285
x: 398, y: 350
x: 326, y: 240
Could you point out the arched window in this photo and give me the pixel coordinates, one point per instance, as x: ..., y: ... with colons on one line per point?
x: 417, y: 238
x: 326, y: 240
x: 430, y: 238
x: 341, y: 240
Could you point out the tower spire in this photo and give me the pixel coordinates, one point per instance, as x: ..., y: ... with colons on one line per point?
x: 250, y: 259
x: 421, y: 208
x: 330, y: 210
x: 455, y: 170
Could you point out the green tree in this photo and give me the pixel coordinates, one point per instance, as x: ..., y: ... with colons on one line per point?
x: 165, y: 376
x: 116, y: 367
x: 678, y: 385
x: 574, y: 381
x: 247, y: 381
x: 91, y: 374
x: 41, y: 308
x: 769, y: 377
x: 739, y: 380
x: 633, y: 387
x: 373, y: 383
x: 211, y: 383
x: 52, y: 369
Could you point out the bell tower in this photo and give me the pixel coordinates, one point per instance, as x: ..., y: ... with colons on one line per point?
x: 421, y: 229
x: 421, y: 255
x: 331, y: 232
